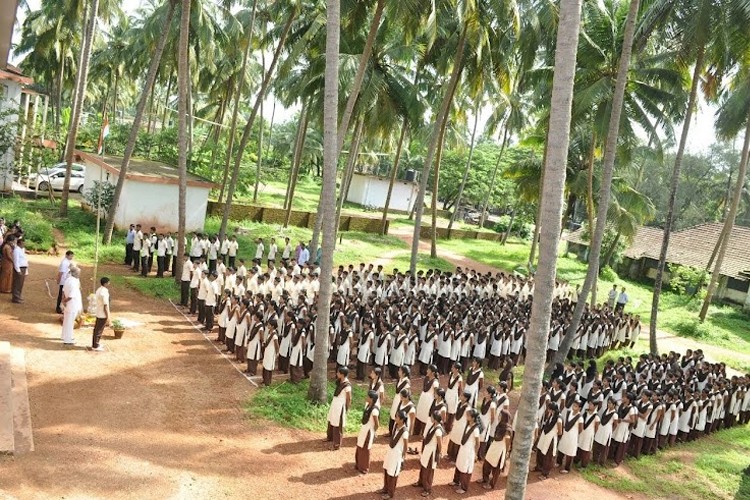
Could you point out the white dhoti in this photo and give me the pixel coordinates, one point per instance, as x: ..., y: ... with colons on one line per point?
x: 69, y: 318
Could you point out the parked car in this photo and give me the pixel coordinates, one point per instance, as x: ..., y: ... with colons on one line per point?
x: 57, y: 179
x: 54, y: 169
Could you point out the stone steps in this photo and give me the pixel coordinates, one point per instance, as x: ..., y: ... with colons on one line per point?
x: 16, y: 437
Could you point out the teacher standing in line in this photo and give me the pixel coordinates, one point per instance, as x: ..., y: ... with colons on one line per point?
x: 72, y: 304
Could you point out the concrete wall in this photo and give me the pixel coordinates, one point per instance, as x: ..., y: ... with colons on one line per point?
x: 298, y: 218
x: 371, y: 191
x: 151, y: 204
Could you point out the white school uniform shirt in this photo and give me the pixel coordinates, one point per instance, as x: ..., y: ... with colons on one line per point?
x: 467, y: 453
x: 102, y: 301
x: 429, y: 450
x: 232, y: 247
x: 138, y: 241
x: 367, y: 431
x: 64, y: 270
x: 224, y: 249
x: 586, y: 436
x: 187, y: 270
x: 259, y: 249
x: 161, y: 248
x: 272, y: 251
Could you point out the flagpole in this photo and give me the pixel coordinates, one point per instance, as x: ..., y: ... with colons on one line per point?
x: 98, y: 215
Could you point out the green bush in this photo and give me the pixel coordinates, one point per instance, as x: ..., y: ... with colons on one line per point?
x: 520, y: 228
x: 36, y: 225
x: 608, y: 274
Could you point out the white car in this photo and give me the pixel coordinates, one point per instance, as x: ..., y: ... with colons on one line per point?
x: 56, y: 178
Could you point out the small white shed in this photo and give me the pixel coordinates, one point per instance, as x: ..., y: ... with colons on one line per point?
x: 150, y: 195
x: 371, y: 191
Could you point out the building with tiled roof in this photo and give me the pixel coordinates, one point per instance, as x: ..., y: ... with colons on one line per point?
x: 693, y: 247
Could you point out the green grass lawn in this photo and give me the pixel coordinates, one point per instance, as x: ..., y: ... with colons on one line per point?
x: 708, y: 468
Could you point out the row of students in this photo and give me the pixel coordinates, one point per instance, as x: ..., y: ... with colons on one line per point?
x: 634, y: 410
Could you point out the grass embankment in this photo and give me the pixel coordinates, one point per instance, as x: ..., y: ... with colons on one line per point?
x: 725, y: 326
x: 708, y: 468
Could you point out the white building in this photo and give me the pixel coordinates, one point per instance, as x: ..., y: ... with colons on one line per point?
x: 150, y: 194
x: 371, y: 191
x: 12, y: 84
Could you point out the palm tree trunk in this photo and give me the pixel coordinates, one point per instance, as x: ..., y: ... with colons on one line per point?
x: 605, y: 190
x: 79, y: 73
x: 552, y: 203
x: 611, y: 250
x: 318, y: 391
x: 590, y: 212
x: 441, y: 117
x: 674, y: 184
x: 346, y: 178
x: 166, y: 101
x: 58, y: 98
x: 569, y: 210
x: 436, y: 190
x: 394, y: 173
x: 510, y: 227
x: 153, y: 69
x: 249, y: 125
x: 360, y: 75
x: 150, y: 123
x: 491, y: 187
x: 260, y: 156
x: 238, y: 96
x: 183, y: 84
x: 728, y: 223
x: 466, y: 171
x: 299, y: 145
x: 114, y: 99
x: 78, y: 105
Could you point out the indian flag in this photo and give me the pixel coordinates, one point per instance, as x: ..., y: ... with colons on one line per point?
x: 103, y: 135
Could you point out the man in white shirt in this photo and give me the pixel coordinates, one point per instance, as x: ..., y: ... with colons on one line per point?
x: 259, y: 250
x: 20, y: 270
x: 224, y: 250
x: 209, y: 301
x: 287, y: 253
x: 272, y: 250
x: 145, y: 254
x: 102, y: 313
x: 137, y: 244
x: 187, y: 275
x: 129, y: 240
x: 232, y: 248
x: 612, y: 296
x: 171, y: 257
x: 196, y: 248
x: 195, y: 281
x: 213, y: 253
x: 304, y: 255
x: 161, y: 255
x: 62, y: 274
x: 622, y: 299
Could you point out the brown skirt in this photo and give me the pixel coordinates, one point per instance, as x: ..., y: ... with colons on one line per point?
x: 267, y: 377
x: 296, y: 374
x: 334, y: 434
x: 453, y: 451
x: 389, y: 484
x: 362, y: 459
x: 252, y: 366
x: 463, y: 479
x: 426, y: 475
x: 6, y: 276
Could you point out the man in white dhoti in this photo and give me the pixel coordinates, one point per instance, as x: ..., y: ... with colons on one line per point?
x: 72, y: 304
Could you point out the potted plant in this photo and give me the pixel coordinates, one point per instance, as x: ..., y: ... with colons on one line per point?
x: 118, y: 327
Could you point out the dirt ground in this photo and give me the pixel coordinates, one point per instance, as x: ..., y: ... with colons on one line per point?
x: 158, y: 415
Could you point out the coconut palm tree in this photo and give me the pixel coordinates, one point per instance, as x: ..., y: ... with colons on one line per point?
x: 166, y: 12
x: 75, y: 119
x: 698, y: 27
x: 318, y: 391
x: 735, y: 110
x: 595, y: 245
x: 183, y: 61
x: 552, y: 204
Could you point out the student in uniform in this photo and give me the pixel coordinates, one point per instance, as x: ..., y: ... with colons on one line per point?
x: 452, y: 392
x: 210, y: 302
x: 626, y: 416
x: 487, y: 414
x: 395, y: 456
x: 145, y: 253
x: 232, y: 248
x: 272, y: 251
x: 270, y: 351
x: 364, y: 352
x: 494, y: 461
x: 430, y: 456
x: 474, y: 381
x: 342, y: 400
x: 296, y: 359
x: 426, y: 399
x: 255, y: 345
x: 403, y: 384
x: 644, y: 409
x: 467, y: 452
x: 590, y: 424
x: 546, y: 442
x: 568, y: 446
x: 367, y: 432
x: 161, y: 255
x: 187, y: 274
x: 459, y: 425
x: 603, y: 435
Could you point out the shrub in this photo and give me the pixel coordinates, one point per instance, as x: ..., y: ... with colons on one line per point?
x: 520, y: 228
x: 686, y: 280
x: 608, y: 274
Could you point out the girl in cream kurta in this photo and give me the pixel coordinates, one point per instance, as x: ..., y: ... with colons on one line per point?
x: 431, y: 448
x: 342, y: 398
x: 546, y: 444
x: 425, y: 401
x: 367, y: 432
x: 403, y: 383
x: 395, y: 456
x: 467, y: 453
x: 494, y: 462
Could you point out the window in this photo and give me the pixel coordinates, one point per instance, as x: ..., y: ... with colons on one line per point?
x: 739, y: 285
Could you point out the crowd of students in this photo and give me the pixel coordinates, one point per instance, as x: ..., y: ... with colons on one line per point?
x: 453, y: 325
